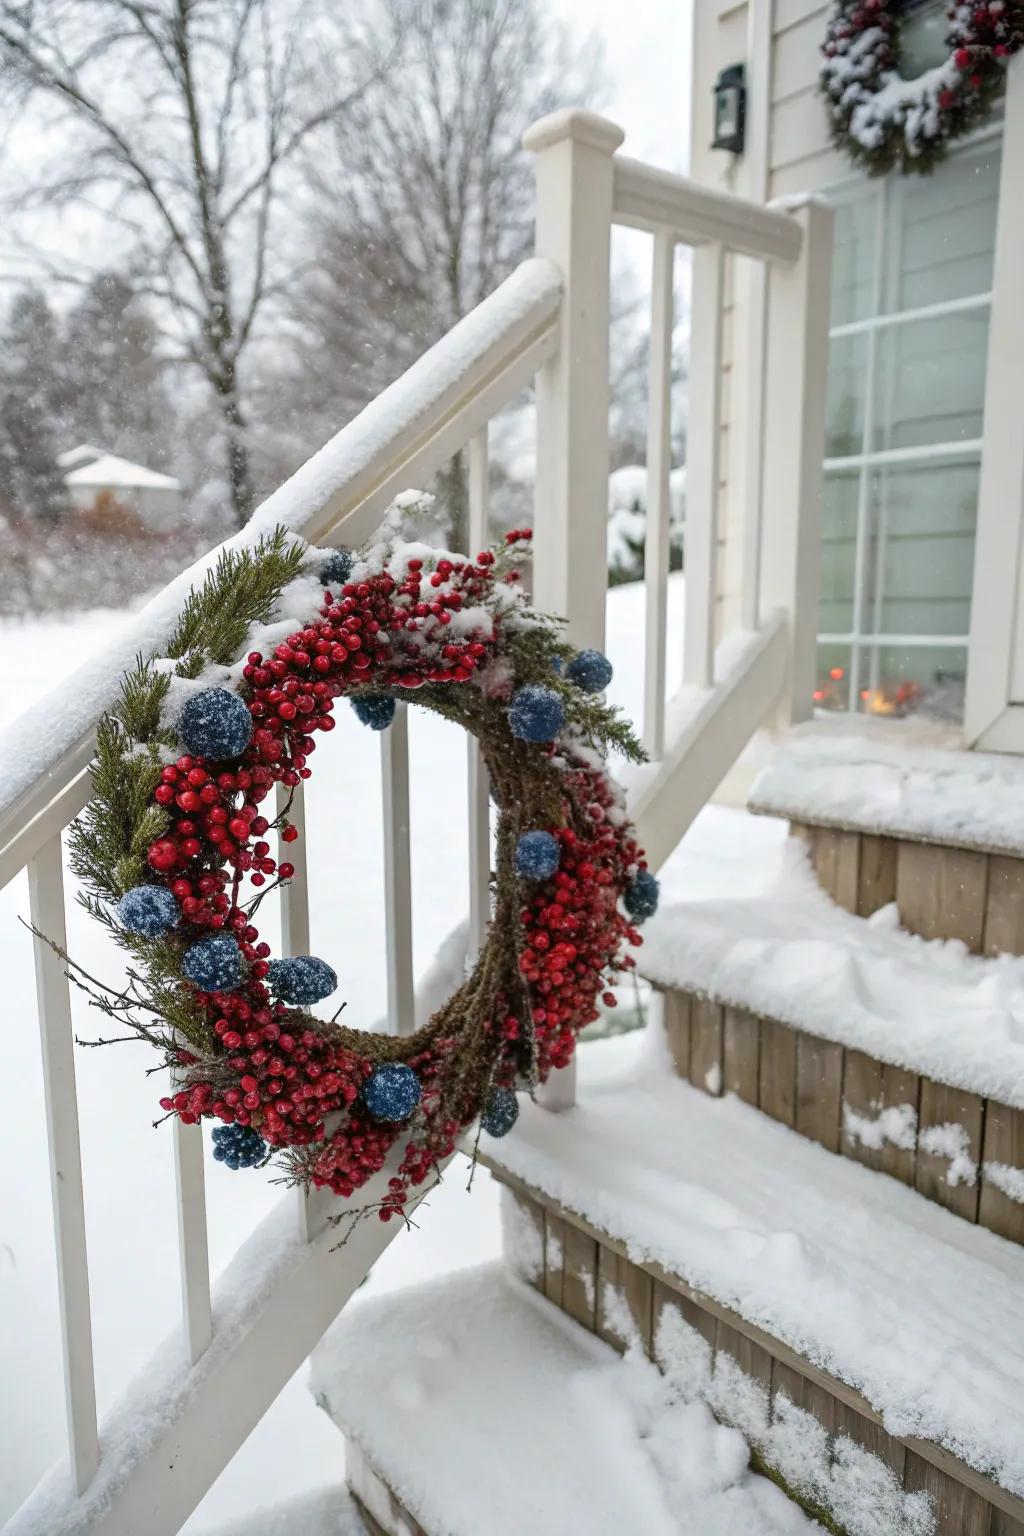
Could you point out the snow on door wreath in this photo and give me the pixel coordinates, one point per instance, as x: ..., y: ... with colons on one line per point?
x: 884, y: 121
x: 174, y: 851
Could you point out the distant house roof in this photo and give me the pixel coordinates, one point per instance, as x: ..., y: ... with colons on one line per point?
x: 85, y: 453
x: 109, y: 469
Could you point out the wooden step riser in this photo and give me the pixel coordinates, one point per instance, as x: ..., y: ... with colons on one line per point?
x: 590, y: 1276
x: 941, y: 892
x: 814, y: 1085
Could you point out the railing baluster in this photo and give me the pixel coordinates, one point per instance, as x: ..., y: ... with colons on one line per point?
x: 310, y: 1208
x: 193, y: 1244
x: 702, y: 465
x: 659, y: 466
x: 46, y: 904
x: 394, y: 747
x: 479, y: 796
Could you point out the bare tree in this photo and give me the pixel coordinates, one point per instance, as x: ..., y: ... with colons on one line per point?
x: 425, y: 203
x: 181, y: 118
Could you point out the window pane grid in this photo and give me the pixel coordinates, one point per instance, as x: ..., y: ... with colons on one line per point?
x: 911, y: 299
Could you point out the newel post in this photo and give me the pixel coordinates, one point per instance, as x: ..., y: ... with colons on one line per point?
x: 573, y: 171
x: 796, y: 373
x: 573, y: 180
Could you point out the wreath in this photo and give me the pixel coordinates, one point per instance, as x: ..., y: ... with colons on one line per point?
x: 175, y: 853
x: 883, y: 120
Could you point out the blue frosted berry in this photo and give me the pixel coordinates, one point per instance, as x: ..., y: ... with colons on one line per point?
x: 537, y: 855
x: 377, y: 710
x: 214, y: 964
x: 337, y: 568
x: 238, y: 1146
x: 148, y: 909
x: 536, y: 714
x: 591, y: 671
x: 392, y: 1091
x: 641, y: 898
x: 215, y: 723
x: 301, y: 979
x: 500, y: 1112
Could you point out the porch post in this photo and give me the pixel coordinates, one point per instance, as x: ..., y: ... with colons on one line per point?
x: 794, y: 448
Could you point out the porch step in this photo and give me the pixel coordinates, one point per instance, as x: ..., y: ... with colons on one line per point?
x: 832, y: 1291
x: 894, y: 815
x: 473, y: 1407
x: 905, y: 1055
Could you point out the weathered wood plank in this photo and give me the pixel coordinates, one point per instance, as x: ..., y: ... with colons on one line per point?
x: 819, y: 1090
x: 944, y: 1106
x: 959, y: 1511
x: 869, y: 1086
x: 777, y: 1071
x: 1004, y: 1143
x: 826, y: 859
x: 847, y: 872
x: 819, y: 1401
x: 579, y: 1276
x: 877, y: 880
x: 1004, y: 1524
x: 677, y: 1029
x: 1004, y: 906
x: 847, y: 1421
x: 941, y: 892
x: 622, y: 1284
x: 706, y: 1031
x: 741, y: 1054
x: 554, y: 1256
x: 787, y: 1381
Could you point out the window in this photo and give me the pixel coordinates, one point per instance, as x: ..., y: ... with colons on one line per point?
x: 910, y: 307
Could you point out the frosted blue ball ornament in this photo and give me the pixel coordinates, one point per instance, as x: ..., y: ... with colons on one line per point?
x: 214, y: 964
x: 590, y: 671
x: 536, y: 713
x: 377, y: 710
x: 301, y: 979
x: 238, y: 1146
x: 148, y: 910
x: 216, y: 724
x: 337, y: 568
x: 537, y: 855
x: 641, y: 898
x: 500, y: 1112
x: 392, y: 1091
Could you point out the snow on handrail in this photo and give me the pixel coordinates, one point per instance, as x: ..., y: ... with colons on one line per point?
x: 411, y: 428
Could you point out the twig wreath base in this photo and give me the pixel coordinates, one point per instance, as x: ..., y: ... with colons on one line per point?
x: 884, y: 121
x: 175, y: 852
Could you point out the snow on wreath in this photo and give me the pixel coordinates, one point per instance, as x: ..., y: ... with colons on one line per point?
x: 176, y: 855
x: 884, y: 121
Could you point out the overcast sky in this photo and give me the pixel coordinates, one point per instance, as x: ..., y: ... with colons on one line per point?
x: 647, y: 59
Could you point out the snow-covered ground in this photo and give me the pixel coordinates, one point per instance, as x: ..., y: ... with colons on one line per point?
x: 129, y: 1186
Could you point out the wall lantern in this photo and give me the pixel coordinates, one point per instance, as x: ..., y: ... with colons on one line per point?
x: 730, y: 110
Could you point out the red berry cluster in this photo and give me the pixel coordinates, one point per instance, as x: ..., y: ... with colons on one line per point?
x: 573, y: 928
x: 412, y: 622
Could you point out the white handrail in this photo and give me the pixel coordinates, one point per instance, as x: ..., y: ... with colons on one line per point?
x: 652, y: 199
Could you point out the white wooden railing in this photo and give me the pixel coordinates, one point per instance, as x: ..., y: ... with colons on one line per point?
x: 549, y: 323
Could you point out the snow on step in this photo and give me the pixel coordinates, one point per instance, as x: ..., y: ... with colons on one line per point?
x: 485, y: 1409
x: 902, y: 1300
x: 327, y: 1511
x: 789, y: 953
x: 899, y: 777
